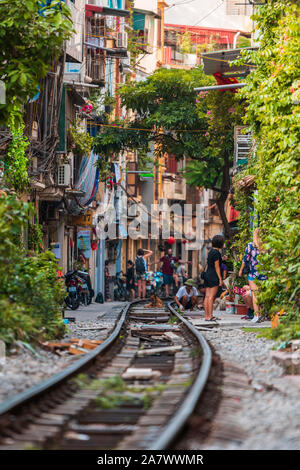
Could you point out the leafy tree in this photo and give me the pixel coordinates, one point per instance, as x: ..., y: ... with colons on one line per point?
x: 168, y: 112
x: 222, y: 110
x: 272, y: 95
x: 31, y: 297
x: 31, y: 35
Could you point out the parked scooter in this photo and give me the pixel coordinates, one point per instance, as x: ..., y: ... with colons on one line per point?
x: 87, y: 293
x: 158, y: 280
x: 71, y: 280
x: 120, y: 290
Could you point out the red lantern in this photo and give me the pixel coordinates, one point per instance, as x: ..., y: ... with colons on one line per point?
x: 94, y: 246
x: 171, y: 241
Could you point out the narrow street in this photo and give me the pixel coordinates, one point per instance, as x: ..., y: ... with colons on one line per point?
x: 149, y: 232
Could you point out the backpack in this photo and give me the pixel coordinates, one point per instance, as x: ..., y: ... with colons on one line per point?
x: 99, y: 299
x: 140, y: 265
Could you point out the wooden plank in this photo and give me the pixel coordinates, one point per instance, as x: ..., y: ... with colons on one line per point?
x: 51, y: 345
x: 135, y: 373
x: 150, y: 352
x: 86, y: 343
x: 77, y: 350
x: 93, y: 328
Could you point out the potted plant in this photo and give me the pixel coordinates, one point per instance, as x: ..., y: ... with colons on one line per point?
x: 241, y: 308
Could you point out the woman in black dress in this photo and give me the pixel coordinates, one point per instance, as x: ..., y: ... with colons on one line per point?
x: 213, y: 278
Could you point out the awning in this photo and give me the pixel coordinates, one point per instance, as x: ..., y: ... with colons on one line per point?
x: 146, y: 12
x: 138, y: 21
x: 91, y: 9
x: 218, y: 62
x: 119, y: 52
x: 76, y: 97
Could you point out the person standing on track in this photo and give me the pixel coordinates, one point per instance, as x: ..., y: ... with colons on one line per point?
x: 213, y: 277
x: 168, y: 265
x: 140, y: 271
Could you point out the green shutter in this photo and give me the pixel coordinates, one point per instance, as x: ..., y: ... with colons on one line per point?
x: 62, y: 127
x: 138, y: 21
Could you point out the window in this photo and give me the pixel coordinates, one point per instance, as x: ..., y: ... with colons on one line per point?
x: 234, y: 7
x: 132, y: 179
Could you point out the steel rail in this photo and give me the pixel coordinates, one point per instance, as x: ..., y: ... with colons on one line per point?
x: 179, y: 419
x: 176, y: 423
x: 46, y: 385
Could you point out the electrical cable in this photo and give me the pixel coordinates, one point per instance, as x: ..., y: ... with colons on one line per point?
x: 143, y: 129
x: 208, y: 14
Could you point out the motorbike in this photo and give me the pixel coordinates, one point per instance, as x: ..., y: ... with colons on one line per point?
x: 72, y: 300
x: 120, y: 290
x: 84, y: 294
x: 87, y: 293
x: 158, y: 287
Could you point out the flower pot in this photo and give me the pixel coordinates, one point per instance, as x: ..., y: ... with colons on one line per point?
x: 241, y: 309
x: 230, y: 307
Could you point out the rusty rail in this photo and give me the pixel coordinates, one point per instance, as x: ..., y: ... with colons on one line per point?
x: 179, y: 419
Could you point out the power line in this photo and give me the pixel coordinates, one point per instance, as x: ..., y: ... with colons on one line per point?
x: 180, y: 3
x: 208, y: 14
x: 91, y: 123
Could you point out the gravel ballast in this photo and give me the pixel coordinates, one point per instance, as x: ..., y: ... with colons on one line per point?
x: 24, y: 369
x: 271, y: 415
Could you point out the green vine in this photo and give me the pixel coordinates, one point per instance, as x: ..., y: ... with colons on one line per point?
x: 16, y: 162
x: 273, y: 114
x: 30, y: 38
x: 80, y: 142
x: 35, y: 235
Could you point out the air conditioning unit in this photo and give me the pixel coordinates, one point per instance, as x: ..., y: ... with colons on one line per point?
x: 64, y: 175
x: 122, y: 40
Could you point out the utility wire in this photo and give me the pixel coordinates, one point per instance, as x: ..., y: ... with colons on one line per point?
x: 208, y: 14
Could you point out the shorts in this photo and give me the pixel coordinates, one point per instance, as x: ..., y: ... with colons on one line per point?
x: 260, y: 277
x: 168, y: 279
x: 140, y: 276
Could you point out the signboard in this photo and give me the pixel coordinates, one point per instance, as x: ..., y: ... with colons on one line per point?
x: 84, y: 220
x: 56, y: 250
x: 84, y: 242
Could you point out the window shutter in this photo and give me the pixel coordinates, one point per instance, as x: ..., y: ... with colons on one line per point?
x: 235, y: 7
x: 171, y: 164
x: 242, y: 145
x: 132, y: 179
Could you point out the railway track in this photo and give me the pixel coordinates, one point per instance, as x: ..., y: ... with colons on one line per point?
x: 135, y: 391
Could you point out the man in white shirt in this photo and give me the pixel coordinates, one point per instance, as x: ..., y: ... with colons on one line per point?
x: 187, y: 295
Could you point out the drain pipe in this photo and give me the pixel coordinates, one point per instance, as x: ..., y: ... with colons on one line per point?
x: 235, y: 39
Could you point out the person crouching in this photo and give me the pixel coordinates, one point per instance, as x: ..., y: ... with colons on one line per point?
x: 187, y: 295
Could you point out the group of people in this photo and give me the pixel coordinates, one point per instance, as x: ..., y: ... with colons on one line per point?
x: 172, y: 269
x: 213, y: 276
x: 187, y: 296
